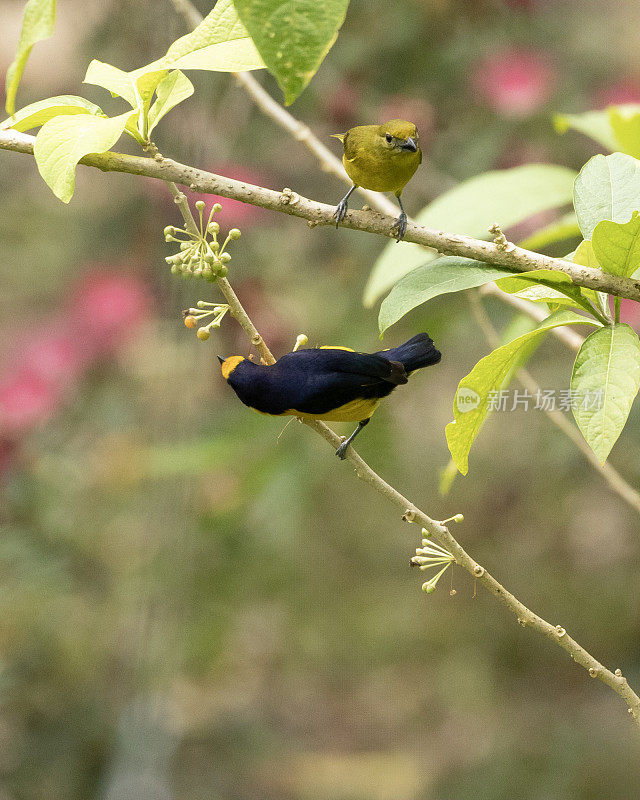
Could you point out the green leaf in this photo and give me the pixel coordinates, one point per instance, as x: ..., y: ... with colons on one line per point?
x: 63, y: 141
x: 604, y: 383
x: 608, y: 187
x: 564, y: 228
x: 37, y: 24
x: 175, y: 88
x: 585, y: 256
x: 505, y: 196
x: 36, y: 114
x: 115, y: 80
x: 625, y: 122
x: 446, y: 274
x: 292, y: 36
x: 617, y: 245
x: 594, y: 124
x: 544, y: 286
x: 472, y: 399
x: 220, y: 43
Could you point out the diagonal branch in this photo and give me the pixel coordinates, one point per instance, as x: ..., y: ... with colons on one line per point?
x: 288, y: 202
x: 439, y: 530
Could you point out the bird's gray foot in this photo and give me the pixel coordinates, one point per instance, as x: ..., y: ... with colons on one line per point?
x: 341, y: 211
x: 341, y: 452
x: 400, y: 226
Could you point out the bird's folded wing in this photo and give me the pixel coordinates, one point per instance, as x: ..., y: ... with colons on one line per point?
x: 366, y: 365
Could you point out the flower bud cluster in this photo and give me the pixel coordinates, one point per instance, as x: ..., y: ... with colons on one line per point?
x: 192, y: 316
x: 200, y: 255
x: 431, y: 555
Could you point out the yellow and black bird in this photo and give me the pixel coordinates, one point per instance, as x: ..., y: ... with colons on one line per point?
x: 382, y: 158
x: 335, y: 384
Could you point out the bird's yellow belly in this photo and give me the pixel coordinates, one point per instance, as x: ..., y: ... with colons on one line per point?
x: 390, y: 177
x: 353, y: 411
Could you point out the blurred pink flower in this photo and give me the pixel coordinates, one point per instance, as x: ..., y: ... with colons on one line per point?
x: 26, y: 400
x: 415, y: 109
x: 107, y: 307
x: 55, y: 356
x: 630, y: 313
x: 514, y: 82
x: 626, y: 90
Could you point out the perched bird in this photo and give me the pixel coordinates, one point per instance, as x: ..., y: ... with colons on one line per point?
x: 382, y: 158
x: 335, y: 384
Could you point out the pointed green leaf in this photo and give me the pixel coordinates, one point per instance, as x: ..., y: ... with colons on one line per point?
x: 292, y: 36
x: 446, y: 274
x: 608, y: 187
x: 115, y: 80
x: 594, y: 124
x: 220, y: 43
x: 544, y: 286
x: 604, y: 383
x: 36, y: 114
x: 625, y: 122
x: 473, y: 397
x: 63, y: 141
x: 37, y: 24
x: 175, y: 88
x: 505, y: 196
x: 617, y: 245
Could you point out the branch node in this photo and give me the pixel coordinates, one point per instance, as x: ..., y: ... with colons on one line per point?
x: 409, y: 515
x: 560, y: 631
x: 478, y: 571
x: 499, y: 239
x: 311, y: 223
x: 158, y: 157
x: 522, y: 622
x: 179, y: 198
x: 193, y: 187
x: 288, y: 197
x: 593, y: 672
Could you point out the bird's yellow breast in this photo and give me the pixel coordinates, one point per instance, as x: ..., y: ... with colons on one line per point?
x: 353, y: 411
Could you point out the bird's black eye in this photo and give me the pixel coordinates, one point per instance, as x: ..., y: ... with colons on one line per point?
x: 389, y: 137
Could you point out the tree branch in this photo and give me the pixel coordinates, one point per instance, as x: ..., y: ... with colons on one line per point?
x: 440, y: 532
x: 289, y: 202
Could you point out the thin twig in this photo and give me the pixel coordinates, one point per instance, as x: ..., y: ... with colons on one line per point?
x: 289, y: 202
x: 617, y: 483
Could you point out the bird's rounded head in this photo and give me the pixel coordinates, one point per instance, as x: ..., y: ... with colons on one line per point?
x: 227, y: 365
x: 400, y: 133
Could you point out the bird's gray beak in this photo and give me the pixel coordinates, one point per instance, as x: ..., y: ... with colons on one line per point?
x: 409, y: 144
x: 221, y: 359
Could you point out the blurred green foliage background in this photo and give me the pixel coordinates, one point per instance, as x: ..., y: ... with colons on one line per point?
x: 192, y: 607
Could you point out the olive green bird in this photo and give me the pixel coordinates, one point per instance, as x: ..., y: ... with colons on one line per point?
x: 382, y: 158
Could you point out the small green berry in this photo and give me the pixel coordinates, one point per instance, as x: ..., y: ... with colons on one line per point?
x: 203, y: 334
x: 234, y: 233
x: 213, y: 227
x: 209, y: 258
x: 223, y: 272
x: 225, y: 258
x: 216, y: 207
x: 200, y: 204
x: 175, y: 269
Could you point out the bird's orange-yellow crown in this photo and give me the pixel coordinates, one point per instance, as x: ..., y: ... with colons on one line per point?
x: 399, y: 129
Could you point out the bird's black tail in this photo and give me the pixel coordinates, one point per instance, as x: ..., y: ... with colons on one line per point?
x: 418, y: 352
